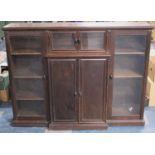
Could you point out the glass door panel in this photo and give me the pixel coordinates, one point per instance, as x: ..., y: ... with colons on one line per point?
x: 129, y: 64
x: 92, y: 40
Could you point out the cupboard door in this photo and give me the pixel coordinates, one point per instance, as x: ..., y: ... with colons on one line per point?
x: 63, y: 89
x: 92, y: 91
x: 129, y: 72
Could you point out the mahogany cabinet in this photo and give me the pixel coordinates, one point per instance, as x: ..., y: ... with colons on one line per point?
x: 78, y: 75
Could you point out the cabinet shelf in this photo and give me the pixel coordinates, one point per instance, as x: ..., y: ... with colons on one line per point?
x: 30, y: 99
x: 129, y: 50
x: 127, y: 74
x: 28, y: 95
x: 26, y: 53
x: 30, y: 108
x: 129, y: 53
x: 28, y: 113
x: 28, y: 77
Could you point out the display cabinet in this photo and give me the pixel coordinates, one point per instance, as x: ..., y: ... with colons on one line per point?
x: 78, y: 75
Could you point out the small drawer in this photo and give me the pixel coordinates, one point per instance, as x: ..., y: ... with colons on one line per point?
x: 92, y: 40
x: 63, y: 40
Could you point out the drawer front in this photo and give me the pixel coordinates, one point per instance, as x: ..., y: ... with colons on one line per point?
x: 92, y: 40
x: 63, y: 40
x: 81, y: 41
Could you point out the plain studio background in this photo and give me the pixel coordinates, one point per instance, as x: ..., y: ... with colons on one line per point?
x: 70, y: 10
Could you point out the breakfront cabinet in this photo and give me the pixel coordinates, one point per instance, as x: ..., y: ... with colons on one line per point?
x: 78, y: 75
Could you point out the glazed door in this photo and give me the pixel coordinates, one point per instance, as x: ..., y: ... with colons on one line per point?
x: 62, y: 78
x: 129, y: 73
x: 92, y: 89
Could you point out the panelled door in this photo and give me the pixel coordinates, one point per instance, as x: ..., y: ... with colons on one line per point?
x: 92, y: 89
x: 78, y: 89
x: 62, y: 74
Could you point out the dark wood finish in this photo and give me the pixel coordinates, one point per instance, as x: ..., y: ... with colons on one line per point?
x: 63, y: 91
x: 78, y: 25
x: 78, y: 75
x: 135, y: 122
x: 92, y: 89
x: 78, y: 126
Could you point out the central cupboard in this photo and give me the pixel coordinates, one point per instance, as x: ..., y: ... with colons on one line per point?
x: 78, y: 90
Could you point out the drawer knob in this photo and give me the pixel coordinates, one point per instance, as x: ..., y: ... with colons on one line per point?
x: 75, y: 93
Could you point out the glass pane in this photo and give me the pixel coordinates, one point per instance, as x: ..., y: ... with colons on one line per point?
x: 30, y: 109
x: 130, y: 43
x: 63, y: 41
x: 126, y: 96
x: 92, y: 40
x: 29, y: 88
x: 129, y: 65
x: 26, y: 43
x: 27, y: 66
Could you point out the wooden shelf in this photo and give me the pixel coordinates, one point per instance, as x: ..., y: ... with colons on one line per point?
x: 127, y: 74
x: 26, y: 53
x: 30, y: 99
x: 129, y: 50
x: 28, y: 113
x: 77, y: 54
x: 27, y: 95
x: 129, y: 53
x: 28, y: 77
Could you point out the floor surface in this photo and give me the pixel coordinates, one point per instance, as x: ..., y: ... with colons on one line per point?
x: 6, y: 116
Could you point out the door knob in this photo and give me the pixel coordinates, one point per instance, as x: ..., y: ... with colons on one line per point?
x: 110, y: 76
